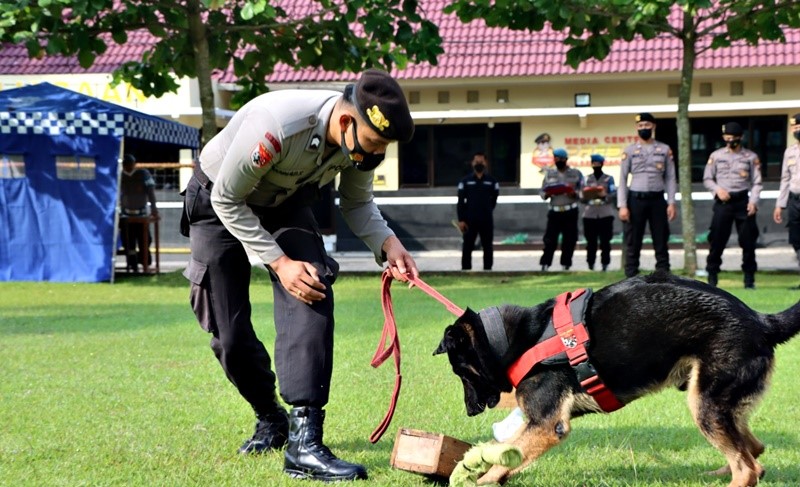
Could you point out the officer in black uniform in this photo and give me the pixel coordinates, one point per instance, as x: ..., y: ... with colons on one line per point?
x: 733, y: 175
x: 477, y: 198
x: 253, y: 188
x: 641, y: 201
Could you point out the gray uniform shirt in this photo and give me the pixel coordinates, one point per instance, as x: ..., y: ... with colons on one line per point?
x: 600, y: 207
x: 271, y: 147
x: 790, y: 176
x: 652, y: 169
x: 570, y: 177
x: 734, y: 171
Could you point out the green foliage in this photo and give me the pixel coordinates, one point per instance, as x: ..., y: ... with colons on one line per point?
x: 116, y: 385
x: 339, y: 36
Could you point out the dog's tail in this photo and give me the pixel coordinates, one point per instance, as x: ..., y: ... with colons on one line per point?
x: 782, y: 326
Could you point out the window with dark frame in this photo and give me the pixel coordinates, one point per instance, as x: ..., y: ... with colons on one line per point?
x: 440, y: 155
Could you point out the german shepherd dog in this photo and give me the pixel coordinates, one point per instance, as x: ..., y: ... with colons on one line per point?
x: 646, y: 333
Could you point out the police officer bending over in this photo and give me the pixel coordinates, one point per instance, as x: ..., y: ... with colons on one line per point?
x: 477, y: 198
x: 253, y: 189
x: 733, y: 175
x: 641, y: 202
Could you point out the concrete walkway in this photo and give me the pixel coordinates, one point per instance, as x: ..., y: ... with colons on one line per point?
x: 769, y: 259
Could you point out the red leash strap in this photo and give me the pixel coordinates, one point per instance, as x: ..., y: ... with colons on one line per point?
x: 385, y: 350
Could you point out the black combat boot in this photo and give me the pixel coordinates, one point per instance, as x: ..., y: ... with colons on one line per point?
x: 749, y: 280
x: 272, y: 432
x: 712, y: 279
x: 307, y: 458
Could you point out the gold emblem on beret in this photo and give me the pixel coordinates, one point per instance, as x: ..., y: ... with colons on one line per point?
x: 377, y: 118
x: 638, y: 118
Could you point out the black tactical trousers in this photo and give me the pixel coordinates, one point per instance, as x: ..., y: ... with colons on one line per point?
x: 486, y: 231
x: 725, y: 215
x: 564, y: 223
x: 793, y: 221
x: 219, y: 271
x: 598, y: 229
x: 650, y: 210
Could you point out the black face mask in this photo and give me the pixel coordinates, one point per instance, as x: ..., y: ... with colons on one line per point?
x: 561, y: 164
x: 479, y: 168
x: 796, y: 135
x: 645, y: 134
x: 362, y: 160
x: 598, y: 171
x: 733, y: 143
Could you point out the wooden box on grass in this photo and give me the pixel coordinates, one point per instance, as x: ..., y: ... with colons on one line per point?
x: 427, y: 453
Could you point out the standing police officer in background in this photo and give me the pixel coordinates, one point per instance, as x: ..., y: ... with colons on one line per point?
x: 598, y: 214
x: 789, y: 193
x: 253, y: 189
x: 477, y: 198
x: 733, y: 175
x: 641, y: 201
x: 561, y: 186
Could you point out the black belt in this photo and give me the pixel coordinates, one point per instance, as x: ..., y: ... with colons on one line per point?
x: 794, y: 196
x: 647, y: 195
x: 201, y: 177
x: 735, y: 197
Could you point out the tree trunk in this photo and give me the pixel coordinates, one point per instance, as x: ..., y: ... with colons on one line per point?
x: 199, y: 40
x: 685, y: 147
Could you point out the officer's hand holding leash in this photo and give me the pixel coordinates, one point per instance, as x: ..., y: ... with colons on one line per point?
x: 399, y: 260
x: 299, y: 278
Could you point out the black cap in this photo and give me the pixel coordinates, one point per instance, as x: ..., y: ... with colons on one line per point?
x: 645, y: 117
x: 381, y: 102
x: 795, y: 120
x: 545, y: 137
x: 732, y: 128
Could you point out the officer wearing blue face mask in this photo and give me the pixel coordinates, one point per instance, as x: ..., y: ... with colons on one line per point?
x: 253, y: 190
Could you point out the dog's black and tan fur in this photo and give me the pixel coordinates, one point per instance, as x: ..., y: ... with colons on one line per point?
x: 647, y: 333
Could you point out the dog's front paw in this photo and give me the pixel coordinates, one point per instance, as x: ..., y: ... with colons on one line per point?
x: 480, y: 458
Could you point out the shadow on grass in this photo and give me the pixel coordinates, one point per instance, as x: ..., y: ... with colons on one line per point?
x: 90, y: 318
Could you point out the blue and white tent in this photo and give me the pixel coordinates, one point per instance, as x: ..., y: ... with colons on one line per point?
x: 59, y: 173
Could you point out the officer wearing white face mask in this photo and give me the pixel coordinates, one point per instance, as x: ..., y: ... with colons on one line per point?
x: 253, y: 188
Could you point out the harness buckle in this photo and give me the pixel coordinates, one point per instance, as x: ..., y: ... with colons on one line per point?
x: 584, y: 370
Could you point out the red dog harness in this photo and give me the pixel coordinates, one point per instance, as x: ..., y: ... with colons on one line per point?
x: 570, y: 338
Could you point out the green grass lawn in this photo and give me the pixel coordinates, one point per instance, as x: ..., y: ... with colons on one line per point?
x: 115, y: 385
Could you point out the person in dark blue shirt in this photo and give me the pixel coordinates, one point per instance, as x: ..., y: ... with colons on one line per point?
x: 477, y: 197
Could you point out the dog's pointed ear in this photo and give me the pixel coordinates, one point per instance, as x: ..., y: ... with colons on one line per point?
x: 442, y: 348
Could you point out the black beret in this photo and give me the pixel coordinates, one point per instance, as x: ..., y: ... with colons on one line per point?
x: 732, y: 128
x: 597, y: 158
x: 128, y: 159
x: 795, y: 120
x: 645, y: 117
x: 381, y: 102
x: 545, y: 137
